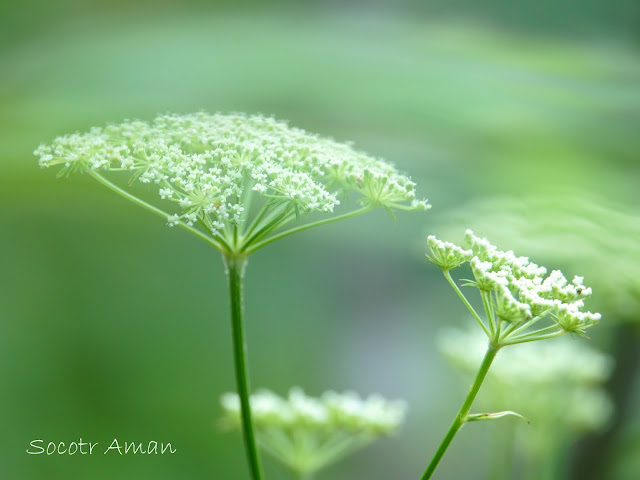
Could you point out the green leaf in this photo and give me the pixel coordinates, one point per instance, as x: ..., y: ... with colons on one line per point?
x: 476, y: 417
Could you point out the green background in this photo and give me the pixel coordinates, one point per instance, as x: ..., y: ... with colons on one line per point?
x: 112, y: 325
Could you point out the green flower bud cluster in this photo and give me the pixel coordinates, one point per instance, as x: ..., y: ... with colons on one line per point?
x: 307, y: 433
x: 446, y: 254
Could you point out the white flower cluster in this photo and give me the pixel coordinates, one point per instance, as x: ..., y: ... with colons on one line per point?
x: 574, y: 230
x: 521, y: 289
x: 345, y: 412
x: 307, y: 433
x: 207, y: 165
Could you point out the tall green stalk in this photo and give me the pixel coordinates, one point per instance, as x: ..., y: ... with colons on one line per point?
x: 462, y: 416
x: 206, y: 168
x: 235, y: 266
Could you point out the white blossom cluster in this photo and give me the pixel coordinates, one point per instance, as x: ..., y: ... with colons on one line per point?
x: 521, y: 289
x: 307, y: 433
x: 345, y: 412
x: 208, y: 164
x: 578, y: 230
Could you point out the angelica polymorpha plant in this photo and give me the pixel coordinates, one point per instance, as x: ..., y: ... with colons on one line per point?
x: 239, y: 183
x: 307, y: 434
x: 573, y: 230
x: 557, y: 385
x: 521, y: 304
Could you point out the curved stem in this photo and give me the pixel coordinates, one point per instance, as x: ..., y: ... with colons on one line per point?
x: 515, y: 329
x: 524, y: 339
x: 256, y: 220
x: 275, y: 220
x: 153, y: 209
x: 461, y: 417
x: 493, y: 325
x: 447, y: 275
x: 235, y: 266
x: 541, y: 331
x: 221, y: 239
x: 306, y: 226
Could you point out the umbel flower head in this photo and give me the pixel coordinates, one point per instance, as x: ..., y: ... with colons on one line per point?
x: 207, y: 169
x: 307, y: 433
x: 516, y: 292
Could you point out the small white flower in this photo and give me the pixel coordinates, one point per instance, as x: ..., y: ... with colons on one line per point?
x: 185, y: 202
x: 191, y: 218
x: 173, y: 220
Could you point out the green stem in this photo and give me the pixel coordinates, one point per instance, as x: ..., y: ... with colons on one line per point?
x: 447, y: 275
x: 525, y: 339
x: 301, y: 228
x: 493, y: 325
x: 226, y: 247
x: 235, y: 272
x: 511, y: 328
x: 461, y: 417
x: 515, y: 329
x: 153, y: 209
x: 256, y: 220
x: 275, y: 220
x: 541, y: 331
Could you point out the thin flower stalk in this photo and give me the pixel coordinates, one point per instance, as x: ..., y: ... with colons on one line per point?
x: 516, y: 294
x: 559, y: 385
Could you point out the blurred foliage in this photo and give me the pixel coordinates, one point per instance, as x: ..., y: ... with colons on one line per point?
x: 557, y: 385
x: 111, y: 325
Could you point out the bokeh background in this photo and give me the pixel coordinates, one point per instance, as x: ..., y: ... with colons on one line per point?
x: 520, y: 119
